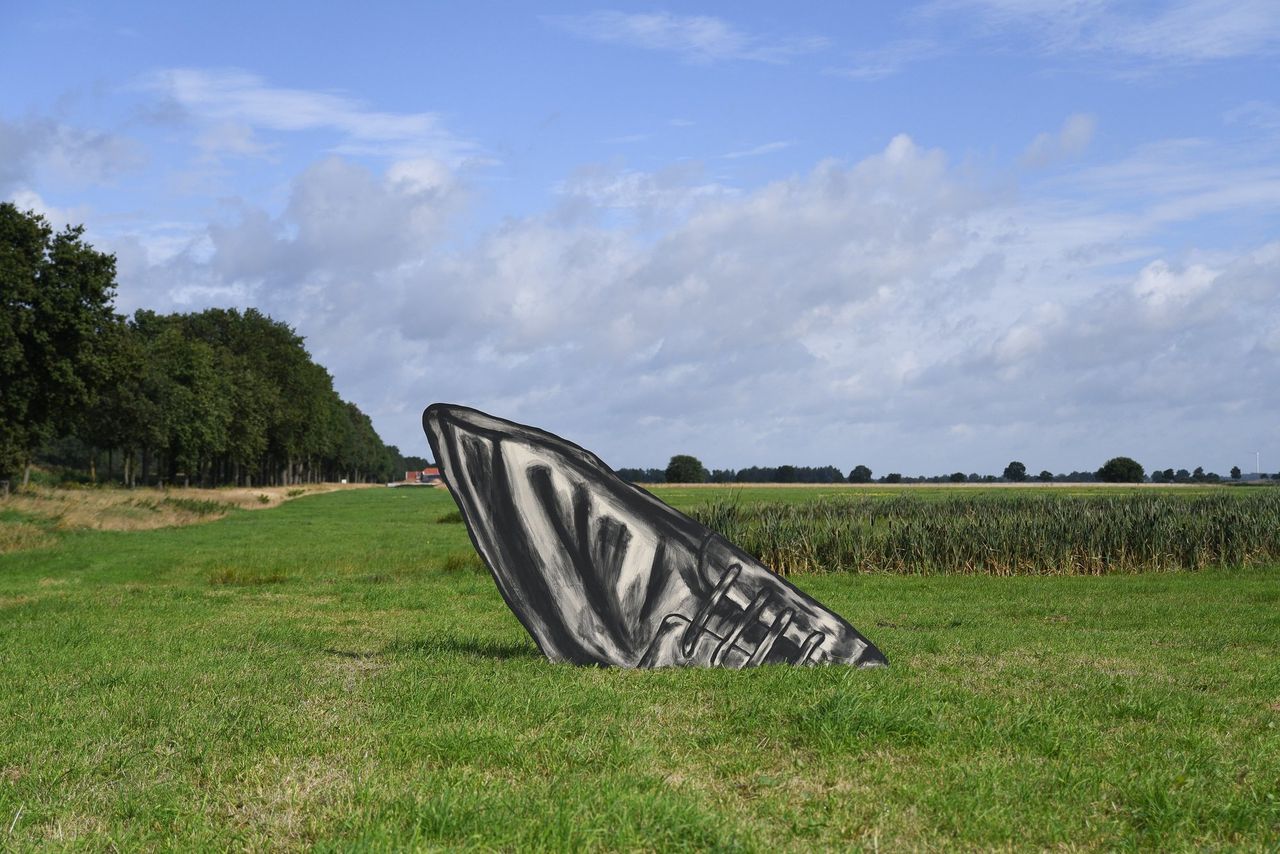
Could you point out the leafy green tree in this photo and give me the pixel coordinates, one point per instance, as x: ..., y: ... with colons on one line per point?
x: 892, y: 477
x: 860, y: 474
x: 1046, y: 476
x: 215, y: 396
x: 1121, y: 470
x: 56, y: 296
x: 684, y: 468
x: 1235, y: 472
x: 1015, y: 471
x: 957, y: 477
x: 195, y: 403
x: 119, y: 409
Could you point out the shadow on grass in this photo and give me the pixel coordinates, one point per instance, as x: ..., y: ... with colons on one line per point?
x: 472, y: 647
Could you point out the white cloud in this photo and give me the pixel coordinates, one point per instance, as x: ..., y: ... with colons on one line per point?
x: 230, y: 137
x: 60, y: 154
x: 756, y: 151
x: 232, y: 104
x: 1070, y: 141
x: 842, y: 315
x: 697, y: 38
x: 1179, y: 32
x: 1163, y: 290
x: 675, y: 189
x: 1260, y: 114
x: 887, y: 60
x: 57, y: 217
x: 1200, y: 30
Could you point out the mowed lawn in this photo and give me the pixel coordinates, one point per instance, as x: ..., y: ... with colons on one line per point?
x: 333, y: 674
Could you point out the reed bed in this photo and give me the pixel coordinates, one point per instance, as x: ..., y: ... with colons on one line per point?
x: 997, y: 534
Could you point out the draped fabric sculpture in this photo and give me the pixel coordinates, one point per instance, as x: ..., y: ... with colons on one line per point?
x: 601, y: 572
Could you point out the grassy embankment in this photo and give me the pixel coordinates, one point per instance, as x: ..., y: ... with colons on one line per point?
x: 333, y: 672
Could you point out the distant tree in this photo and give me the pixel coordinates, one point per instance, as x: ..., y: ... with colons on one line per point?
x: 1121, y: 470
x: 1198, y: 475
x: 957, y: 477
x: 684, y: 468
x: 974, y: 477
x: 1046, y: 476
x: 1181, y: 476
x: 642, y: 475
x: 860, y: 474
x: 825, y: 474
x: 1157, y: 476
x: 1015, y: 472
x: 786, y: 474
x: 1235, y: 472
x: 892, y: 477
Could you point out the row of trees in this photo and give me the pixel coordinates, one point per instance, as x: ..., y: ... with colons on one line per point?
x: 214, y: 397
x: 684, y: 468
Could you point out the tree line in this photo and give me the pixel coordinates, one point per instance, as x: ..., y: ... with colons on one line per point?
x: 685, y: 468
x: 211, y: 397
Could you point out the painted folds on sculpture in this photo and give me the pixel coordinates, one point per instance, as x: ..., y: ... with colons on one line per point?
x: 601, y: 572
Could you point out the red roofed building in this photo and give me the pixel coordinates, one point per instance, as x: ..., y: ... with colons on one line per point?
x: 430, y: 474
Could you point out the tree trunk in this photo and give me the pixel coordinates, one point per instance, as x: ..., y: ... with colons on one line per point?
x: 93, y: 465
x: 26, y: 474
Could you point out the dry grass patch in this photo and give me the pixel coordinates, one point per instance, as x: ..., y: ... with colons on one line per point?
x: 20, y: 536
x: 280, y: 800
x: 142, y: 509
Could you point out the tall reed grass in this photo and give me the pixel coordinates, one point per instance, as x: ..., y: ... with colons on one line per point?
x: 996, y: 534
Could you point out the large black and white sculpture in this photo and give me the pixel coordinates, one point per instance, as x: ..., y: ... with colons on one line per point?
x: 601, y: 572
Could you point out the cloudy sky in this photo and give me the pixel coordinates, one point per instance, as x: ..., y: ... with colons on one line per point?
x: 925, y: 238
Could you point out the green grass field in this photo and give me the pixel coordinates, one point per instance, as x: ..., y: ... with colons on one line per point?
x: 334, y: 673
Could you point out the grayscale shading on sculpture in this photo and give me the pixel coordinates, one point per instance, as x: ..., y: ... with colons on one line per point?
x: 601, y: 572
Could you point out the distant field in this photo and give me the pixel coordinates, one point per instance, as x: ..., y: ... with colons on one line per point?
x: 334, y: 673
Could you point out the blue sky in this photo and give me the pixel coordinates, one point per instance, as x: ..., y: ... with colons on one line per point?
x: 927, y: 237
